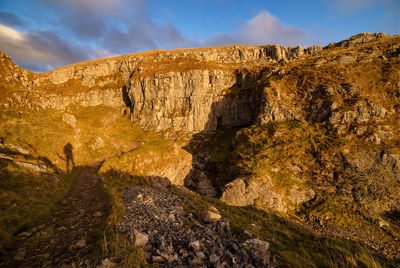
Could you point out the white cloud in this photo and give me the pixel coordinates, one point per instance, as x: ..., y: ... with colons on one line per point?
x: 264, y: 28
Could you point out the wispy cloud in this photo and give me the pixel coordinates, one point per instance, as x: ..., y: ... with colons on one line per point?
x: 44, y: 48
x: 97, y: 5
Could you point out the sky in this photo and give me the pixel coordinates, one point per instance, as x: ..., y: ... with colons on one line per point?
x: 41, y: 35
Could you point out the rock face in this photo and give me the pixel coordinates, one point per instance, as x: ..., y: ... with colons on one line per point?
x: 260, y: 192
x: 190, y: 101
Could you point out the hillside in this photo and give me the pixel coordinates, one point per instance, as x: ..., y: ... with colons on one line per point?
x: 259, y: 155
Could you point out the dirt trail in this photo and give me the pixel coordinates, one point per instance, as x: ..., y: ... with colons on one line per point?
x: 68, y: 234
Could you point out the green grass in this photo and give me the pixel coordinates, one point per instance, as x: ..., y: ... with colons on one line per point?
x: 26, y: 197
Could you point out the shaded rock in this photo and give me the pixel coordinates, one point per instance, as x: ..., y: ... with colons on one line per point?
x: 259, y: 250
x: 205, y: 188
x: 249, y: 234
x: 195, y: 245
x: 20, y: 256
x: 80, y: 244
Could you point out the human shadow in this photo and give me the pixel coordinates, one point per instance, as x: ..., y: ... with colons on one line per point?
x: 210, y: 147
x: 68, y: 157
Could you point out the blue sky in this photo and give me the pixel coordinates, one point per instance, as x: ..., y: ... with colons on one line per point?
x: 41, y: 35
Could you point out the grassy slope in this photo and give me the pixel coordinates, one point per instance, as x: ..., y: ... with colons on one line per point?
x: 47, y: 133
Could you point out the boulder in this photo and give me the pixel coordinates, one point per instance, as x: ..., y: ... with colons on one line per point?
x: 260, y: 192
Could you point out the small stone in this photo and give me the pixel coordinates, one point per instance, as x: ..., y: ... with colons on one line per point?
x: 97, y: 214
x: 195, y: 245
x: 38, y: 228
x: 256, y: 226
x: 210, y: 216
x: 25, y: 234
x: 157, y: 259
x: 214, y: 258
x: 201, y: 255
x: 20, y: 256
x: 62, y: 228
x: 106, y: 263
x: 80, y: 244
x: 213, y: 209
x: 43, y: 233
x: 140, y: 239
x: 44, y: 255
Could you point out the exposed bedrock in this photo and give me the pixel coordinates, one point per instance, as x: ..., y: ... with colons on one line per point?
x: 195, y: 100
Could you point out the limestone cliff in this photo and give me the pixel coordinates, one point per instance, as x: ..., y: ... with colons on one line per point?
x: 190, y: 90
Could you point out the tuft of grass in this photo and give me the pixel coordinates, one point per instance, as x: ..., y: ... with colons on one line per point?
x: 115, y: 245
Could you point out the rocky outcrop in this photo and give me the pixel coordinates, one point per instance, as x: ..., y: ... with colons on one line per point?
x: 38, y: 100
x: 260, y: 192
x: 274, y: 106
x: 357, y: 39
x: 160, y: 168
